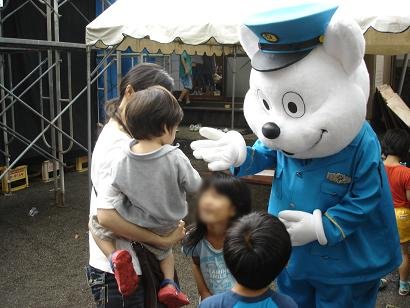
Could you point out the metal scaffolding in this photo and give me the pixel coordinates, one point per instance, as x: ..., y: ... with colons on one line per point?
x: 52, y: 54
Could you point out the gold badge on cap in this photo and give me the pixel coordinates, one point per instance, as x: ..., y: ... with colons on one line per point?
x: 338, y: 178
x: 270, y: 37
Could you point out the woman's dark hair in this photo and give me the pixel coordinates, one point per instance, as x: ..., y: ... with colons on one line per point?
x: 140, y: 77
x: 256, y: 249
x: 227, y: 185
x: 396, y: 142
x: 149, y: 112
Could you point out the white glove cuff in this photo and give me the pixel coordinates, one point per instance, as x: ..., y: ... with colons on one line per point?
x: 240, y: 146
x: 320, y: 232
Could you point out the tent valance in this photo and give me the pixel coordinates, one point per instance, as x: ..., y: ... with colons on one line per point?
x: 211, y: 27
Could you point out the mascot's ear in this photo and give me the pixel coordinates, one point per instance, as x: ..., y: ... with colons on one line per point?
x: 345, y: 42
x: 248, y: 40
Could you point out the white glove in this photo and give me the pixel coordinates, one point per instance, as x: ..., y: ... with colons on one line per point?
x: 303, y: 227
x: 221, y: 150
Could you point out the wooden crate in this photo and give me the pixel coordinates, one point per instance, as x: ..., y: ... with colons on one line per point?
x: 81, y: 164
x: 15, y: 179
x: 47, y: 170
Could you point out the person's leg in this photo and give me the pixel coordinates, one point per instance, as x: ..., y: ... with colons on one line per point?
x: 404, y: 270
x: 107, y: 246
x: 121, y: 260
x: 365, y: 294
x: 105, y: 291
x: 182, y: 95
x: 361, y: 295
x: 300, y: 290
x: 167, y: 266
x: 170, y: 293
x: 187, y: 99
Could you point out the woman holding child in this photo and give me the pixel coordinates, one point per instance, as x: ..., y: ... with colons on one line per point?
x: 113, y: 138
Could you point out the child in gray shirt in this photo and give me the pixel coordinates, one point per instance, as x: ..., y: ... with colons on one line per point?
x: 148, y: 186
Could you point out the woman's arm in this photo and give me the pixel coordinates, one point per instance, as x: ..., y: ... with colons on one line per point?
x: 408, y: 195
x: 110, y: 219
x: 199, y: 279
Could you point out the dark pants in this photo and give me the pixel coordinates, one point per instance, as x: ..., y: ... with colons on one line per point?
x: 105, y: 291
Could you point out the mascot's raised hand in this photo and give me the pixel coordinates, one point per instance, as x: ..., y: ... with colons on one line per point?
x: 221, y: 150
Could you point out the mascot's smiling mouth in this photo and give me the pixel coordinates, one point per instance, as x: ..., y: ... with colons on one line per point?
x: 320, y: 139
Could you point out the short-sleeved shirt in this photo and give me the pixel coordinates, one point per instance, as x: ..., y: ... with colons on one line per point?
x: 217, y: 277
x: 399, y: 180
x: 188, y: 60
x: 230, y: 299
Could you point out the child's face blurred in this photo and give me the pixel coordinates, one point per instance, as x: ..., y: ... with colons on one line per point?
x: 215, y: 208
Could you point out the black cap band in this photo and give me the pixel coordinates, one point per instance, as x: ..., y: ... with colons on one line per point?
x: 291, y: 47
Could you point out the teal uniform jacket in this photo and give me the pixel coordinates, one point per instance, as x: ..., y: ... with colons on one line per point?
x: 352, y: 191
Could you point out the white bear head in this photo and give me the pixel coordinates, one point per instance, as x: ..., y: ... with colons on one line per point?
x: 316, y: 106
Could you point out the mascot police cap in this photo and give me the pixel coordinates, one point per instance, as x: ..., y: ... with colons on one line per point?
x: 286, y: 35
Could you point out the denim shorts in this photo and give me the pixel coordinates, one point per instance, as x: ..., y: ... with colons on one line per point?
x: 104, y: 289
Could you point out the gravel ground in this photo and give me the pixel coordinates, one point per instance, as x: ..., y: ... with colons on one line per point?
x: 43, y: 256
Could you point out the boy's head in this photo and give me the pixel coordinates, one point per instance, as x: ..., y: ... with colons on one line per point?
x: 396, y: 142
x: 256, y: 249
x: 153, y: 112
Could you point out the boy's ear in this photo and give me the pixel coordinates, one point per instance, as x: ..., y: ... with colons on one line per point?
x: 248, y: 40
x: 345, y: 42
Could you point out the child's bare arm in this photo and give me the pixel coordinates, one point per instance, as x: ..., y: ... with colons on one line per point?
x: 199, y: 279
x: 110, y: 219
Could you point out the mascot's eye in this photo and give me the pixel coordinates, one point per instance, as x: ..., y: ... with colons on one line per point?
x: 293, y: 104
x: 263, y: 99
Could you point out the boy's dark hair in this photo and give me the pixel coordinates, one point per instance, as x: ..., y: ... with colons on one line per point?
x: 227, y: 185
x: 396, y: 142
x: 139, y: 77
x: 149, y: 112
x: 256, y: 249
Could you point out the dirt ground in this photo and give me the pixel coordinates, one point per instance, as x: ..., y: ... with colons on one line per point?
x: 42, y: 257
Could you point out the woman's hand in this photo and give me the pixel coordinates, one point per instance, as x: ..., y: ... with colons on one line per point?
x: 175, y: 236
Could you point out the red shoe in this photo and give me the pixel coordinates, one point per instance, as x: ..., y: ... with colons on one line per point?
x: 171, y: 296
x: 125, y: 275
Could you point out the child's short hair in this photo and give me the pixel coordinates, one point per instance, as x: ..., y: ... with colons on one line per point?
x: 256, y: 249
x: 149, y: 112
x: 396, y: 142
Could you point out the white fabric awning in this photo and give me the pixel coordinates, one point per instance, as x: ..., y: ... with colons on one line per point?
x: 211, y: 26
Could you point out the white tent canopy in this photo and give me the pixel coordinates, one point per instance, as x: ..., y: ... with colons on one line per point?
x: 211, y: 26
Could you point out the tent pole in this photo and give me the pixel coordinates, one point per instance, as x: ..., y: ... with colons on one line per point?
x: 233, y: 88
x: 88, y: 51
x: 403, y: 73
x: 105, y: 85
x: 119, y: 71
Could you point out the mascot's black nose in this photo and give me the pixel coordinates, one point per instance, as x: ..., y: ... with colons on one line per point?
x: 270, y: 130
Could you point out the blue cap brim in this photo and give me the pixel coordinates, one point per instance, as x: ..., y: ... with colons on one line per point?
x: 267, y: 62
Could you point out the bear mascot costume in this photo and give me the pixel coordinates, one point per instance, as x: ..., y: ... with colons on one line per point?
x: 307, y: 104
